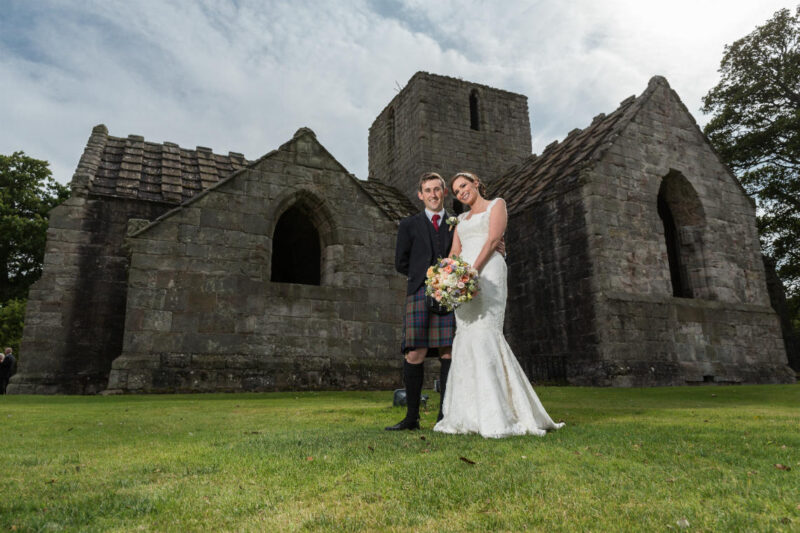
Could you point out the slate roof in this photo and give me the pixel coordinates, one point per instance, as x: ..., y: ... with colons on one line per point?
x: 532, y: 180
x: 134, y: 168
x: 130, y: 167
x: 396, y: 205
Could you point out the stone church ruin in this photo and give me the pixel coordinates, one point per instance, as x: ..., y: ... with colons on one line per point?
x: 633, y: 255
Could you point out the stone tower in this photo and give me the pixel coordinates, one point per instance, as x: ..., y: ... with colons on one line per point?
x: 442, y: 124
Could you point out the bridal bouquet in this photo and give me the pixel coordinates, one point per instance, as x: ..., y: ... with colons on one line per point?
x: 451, y: 282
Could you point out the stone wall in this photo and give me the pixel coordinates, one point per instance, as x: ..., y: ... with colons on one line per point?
x: 660, y: 340
x: 727, y: 331
x: 427, y: 127
x: 624, y: 221
x: 550, y: 321
x: 203, y: 315
x: 75, y: 315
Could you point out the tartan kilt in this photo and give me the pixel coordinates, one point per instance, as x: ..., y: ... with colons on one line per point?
x: 424, y: 329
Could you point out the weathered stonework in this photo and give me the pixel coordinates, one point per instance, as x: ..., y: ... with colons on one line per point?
x: 633, y: 256
x: 203, y: 315
x: 428, y: 126
x: 550, y: 320
x: 76, y: 311
x: 594, y: 272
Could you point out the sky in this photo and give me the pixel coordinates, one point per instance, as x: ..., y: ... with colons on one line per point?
x: 244, y: 75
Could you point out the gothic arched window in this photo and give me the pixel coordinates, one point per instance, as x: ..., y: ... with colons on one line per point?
x: 684, y: 222
x: 474, y: 111
x: 296, y: 251
x: 677, y: 272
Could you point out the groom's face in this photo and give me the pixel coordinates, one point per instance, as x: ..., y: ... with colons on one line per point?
x: 432, y: 194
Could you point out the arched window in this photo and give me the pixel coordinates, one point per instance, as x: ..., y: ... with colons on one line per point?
x: 684, y: 222
x: 474, y: 111
x: 296, y: 254
x: 677, y: 274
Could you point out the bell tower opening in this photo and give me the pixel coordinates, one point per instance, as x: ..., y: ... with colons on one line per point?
x: 474, y: 111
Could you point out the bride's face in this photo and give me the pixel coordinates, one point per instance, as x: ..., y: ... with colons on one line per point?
x: 466, y: 191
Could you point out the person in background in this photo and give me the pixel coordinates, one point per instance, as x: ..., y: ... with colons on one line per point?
x: 7, y: 368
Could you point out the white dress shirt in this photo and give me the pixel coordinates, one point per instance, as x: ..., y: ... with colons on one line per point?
x: 430, y: 214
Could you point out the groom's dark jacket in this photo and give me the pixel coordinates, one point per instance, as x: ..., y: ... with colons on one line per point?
x: 419, y: 246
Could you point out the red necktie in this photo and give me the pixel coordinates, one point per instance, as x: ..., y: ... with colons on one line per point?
x: 435, y: 220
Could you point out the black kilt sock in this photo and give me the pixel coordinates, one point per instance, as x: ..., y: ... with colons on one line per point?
x: 413, y: 376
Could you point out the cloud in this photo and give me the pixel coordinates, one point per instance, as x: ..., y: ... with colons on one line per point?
x: 244, y: 75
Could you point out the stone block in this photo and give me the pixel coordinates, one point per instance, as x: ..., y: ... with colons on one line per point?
x: 136, y: 362
x: 156, y: 320
x: 208, y: 361
x: 215, y: 218
x: 176, y: 360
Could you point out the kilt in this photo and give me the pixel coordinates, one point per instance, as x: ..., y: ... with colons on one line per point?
x: 424, y: 329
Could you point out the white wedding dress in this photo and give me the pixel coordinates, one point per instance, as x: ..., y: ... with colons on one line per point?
x: 487, y: 391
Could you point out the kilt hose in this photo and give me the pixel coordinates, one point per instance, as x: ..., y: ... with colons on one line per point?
x: 424, y: 329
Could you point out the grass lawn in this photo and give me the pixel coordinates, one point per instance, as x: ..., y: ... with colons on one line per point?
x: 628, y: 460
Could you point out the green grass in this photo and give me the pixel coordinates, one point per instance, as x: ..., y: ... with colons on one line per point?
x: 628, y: 460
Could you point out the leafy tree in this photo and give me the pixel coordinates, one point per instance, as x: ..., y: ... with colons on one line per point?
x: 27, y: 193
x: 755, y: 127
x: 12, y: 314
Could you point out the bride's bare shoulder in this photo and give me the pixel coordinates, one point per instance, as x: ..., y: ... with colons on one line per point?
x: 498, y: 201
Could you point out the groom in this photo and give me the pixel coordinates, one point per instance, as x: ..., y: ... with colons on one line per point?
x: 421, y: 240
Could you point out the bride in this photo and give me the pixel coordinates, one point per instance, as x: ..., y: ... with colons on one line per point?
x: 487, y: 391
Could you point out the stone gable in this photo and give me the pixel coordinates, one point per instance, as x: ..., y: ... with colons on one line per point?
x: 597, y: 272
x: 78, y: 320
x: 204, y: 314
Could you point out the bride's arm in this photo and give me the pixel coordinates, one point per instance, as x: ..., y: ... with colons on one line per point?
x: 497, y: 227
x: 455, y: 248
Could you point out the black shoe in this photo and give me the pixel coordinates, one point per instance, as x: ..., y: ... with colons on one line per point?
x: 440, y: 416
x: 404, y: 424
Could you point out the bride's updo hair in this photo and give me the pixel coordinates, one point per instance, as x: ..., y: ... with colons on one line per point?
x: 469, y: 176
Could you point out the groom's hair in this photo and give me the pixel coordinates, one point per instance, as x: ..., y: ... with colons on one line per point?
x: 427, y: 176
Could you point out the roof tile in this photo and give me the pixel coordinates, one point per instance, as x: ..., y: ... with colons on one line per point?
x: 134, y: 168
x: 560, y: 162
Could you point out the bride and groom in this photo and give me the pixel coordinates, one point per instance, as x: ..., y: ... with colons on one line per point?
x: 483, y: 387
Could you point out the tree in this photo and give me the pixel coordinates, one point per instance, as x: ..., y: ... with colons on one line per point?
x: 12, y: 314
x: 755, y: 127
x: 27, y: 193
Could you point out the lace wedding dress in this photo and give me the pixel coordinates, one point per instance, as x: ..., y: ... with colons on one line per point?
x: 487, y: 391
